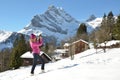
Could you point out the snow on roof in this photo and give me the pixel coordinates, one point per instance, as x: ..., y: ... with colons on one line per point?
x: 29, y: 54
x: 80, y: 40
x: 109, y: 43
x: 60, y: 50
x: 66, y: 44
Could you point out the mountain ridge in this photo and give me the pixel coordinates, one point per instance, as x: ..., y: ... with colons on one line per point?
x: 53, y: 21
x: 53, y: 24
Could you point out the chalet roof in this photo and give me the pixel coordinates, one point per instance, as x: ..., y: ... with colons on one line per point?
x: 28, y: 55
x: 80, y: 40
x: 68, y: 44
x: 60, y: 51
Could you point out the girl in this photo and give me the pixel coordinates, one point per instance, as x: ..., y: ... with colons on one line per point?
x: 34, y: 44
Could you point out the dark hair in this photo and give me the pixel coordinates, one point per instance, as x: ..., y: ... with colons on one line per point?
x: 32, y: 36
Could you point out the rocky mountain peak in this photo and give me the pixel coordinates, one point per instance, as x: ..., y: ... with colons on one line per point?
x: 54, y: 21
x: 92, y: 17
x: 52, y: 7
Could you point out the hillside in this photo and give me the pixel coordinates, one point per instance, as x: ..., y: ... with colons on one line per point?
x: 86, y: 66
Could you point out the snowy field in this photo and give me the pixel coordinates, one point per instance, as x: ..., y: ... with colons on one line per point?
x: 86, y: 66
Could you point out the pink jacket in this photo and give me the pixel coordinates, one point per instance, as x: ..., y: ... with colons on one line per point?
x: 35, y: 46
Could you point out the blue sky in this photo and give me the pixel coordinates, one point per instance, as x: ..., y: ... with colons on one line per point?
x: 16, y: 14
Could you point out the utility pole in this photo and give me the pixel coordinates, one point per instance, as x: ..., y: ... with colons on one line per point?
x: 71, y: 52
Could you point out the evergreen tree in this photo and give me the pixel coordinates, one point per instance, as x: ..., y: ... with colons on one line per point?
x: 109, y: 29
x: 46, y: 47
x: 28, y: 46
x: 20, y: 48
x: 82, y: 29
x: 22, y: 45
x: 16, y: 42
x: 15, y: 59
x: 110, y: 15
x: 82, y: 32
x: 105, y: 32
x: 110, y: 24
x: 116, y: 31
x: 104, y: 21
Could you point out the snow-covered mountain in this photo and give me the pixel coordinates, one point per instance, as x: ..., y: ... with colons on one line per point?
x: 86, y: 66
x: 7, y: 39
x: 92, y: 17
x: 4, y: 39
x: 54, y: 22
x: 93, y: 24
x: 4, y: 35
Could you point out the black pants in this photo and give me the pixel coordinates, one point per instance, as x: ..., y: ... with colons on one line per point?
x: 36, y: 57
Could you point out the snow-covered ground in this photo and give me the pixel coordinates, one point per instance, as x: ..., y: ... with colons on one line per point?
x: 86, y: 66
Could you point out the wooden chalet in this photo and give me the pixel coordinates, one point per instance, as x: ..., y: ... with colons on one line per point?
x: 77, y: 46
x: 60, y: 54
x: 28, y: 58
x: 71, y: 48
